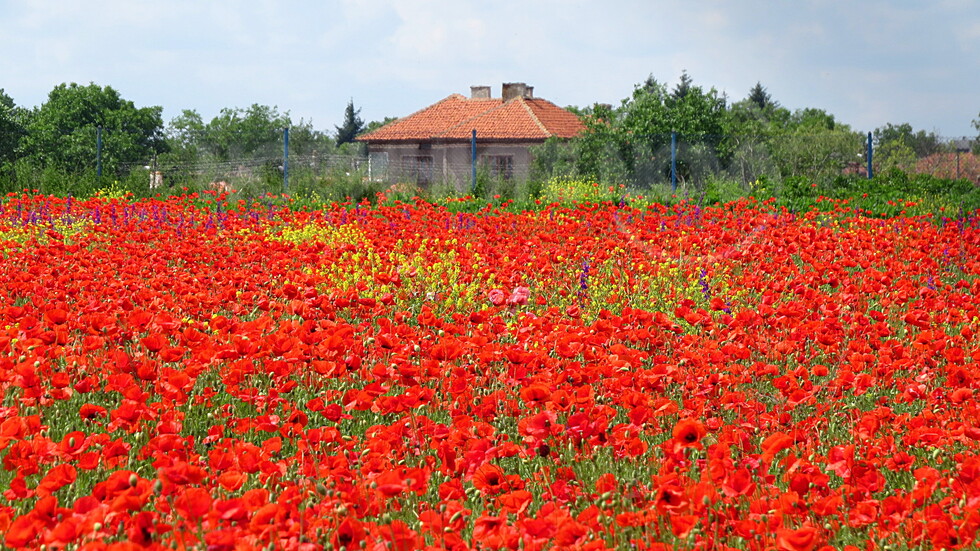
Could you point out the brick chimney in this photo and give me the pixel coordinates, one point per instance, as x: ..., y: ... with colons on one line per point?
x: 480, y: 92
x: 513, y: 90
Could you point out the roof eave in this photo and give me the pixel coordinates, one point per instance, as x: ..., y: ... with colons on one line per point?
x: 435, y: 141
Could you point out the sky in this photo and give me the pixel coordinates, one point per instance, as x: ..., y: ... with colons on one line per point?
x: 867, y: 62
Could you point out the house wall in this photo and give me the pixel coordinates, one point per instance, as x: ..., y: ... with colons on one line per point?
x: 451, y: 162
x: 402, y: 162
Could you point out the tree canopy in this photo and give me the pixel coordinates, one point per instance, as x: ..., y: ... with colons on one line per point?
x: 11, y: 129
x: 232, y: 133
x: 374, y: 125
x: 61, y: 133
x: 899, y: 146
x: 636, y: 134
x: 245, y: 143
x: 750, y: 138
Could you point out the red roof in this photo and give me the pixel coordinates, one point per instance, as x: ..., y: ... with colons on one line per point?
x: 455, y: 118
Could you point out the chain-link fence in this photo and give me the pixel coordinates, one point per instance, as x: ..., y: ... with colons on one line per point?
x: 687, y: 165
x: 300, y: 161
x: 277, y: 161
x: 956, y: 158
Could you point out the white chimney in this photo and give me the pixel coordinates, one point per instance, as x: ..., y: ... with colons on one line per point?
x: 480, y: 92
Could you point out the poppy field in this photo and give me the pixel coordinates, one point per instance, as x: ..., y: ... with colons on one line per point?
x: 196, y: 373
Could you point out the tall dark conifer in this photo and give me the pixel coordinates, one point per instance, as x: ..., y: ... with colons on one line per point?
x: 353, y: 125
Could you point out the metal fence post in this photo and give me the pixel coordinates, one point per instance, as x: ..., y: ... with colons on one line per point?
x: 870, y: 157
x: 673, y: 162
x: 98, y: 151
x: 473, y: 160
x: 285, y: 160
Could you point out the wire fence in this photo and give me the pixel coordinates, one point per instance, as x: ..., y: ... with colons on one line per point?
x: 245, y: 172
x: 665, y: 161
x: 693, y: 162
x: 276, y: 160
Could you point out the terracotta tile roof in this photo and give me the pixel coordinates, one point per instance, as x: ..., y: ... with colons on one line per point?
x: 455, y: 117
x: 560, y: 122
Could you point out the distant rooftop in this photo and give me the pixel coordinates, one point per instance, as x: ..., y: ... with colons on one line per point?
x: 515, y: 116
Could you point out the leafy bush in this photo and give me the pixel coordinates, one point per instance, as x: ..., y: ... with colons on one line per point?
x: 722, y: 190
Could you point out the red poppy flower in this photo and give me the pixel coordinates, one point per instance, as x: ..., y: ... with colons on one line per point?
x: 681, y: 525
x: 56, y: 316
x: 193, y: 503
x: 804, y: 538
x: 490, y: 479
x: 688, y: 432
x: 154, y: 342
x: 22, y: 531
x: 221, y: 540
x: 516, y: 501
x: 538, y: 426
x: 738, y: 483
x: 400, y: 537
x: 141, y: 528
x: 91, y: 411
x: 349, y: 534
x: 535, y: 394
x: 58, y: 477
x: 774, y: 444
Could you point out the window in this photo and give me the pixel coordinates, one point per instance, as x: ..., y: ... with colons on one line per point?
x: 377, y: 165
x: 418, y: 168
x: 501, y: 166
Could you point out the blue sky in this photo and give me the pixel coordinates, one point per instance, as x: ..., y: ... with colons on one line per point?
x: 868, y: 62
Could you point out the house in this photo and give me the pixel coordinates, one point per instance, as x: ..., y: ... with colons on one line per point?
x: 434, y: 144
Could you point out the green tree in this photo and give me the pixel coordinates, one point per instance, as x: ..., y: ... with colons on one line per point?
x: 752, y: 128
x: 898, y: 146
x: 186, y: 131
x: 684, y: 86
x: 243, y: 146
x: 758, y: 115
x: 601, y: 151
x: 306, y: 140
x: 239, y: 133
x: 185, y: 140
x: 652, y: 115
x: 631, y: 143
x: 374, y: 125
x: 811, y: 119
x: 11, y: 130
x: 748, y: 129
x: 353, y: 125
x: 746, y: 118
x: 812, y: 145
x: 759, y: 96
x: 61, y: 134
x: 922, y: 143
x: 651, y: 84
x: 976, y: 143
x: 236, y: 133
x: 752, y: 138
